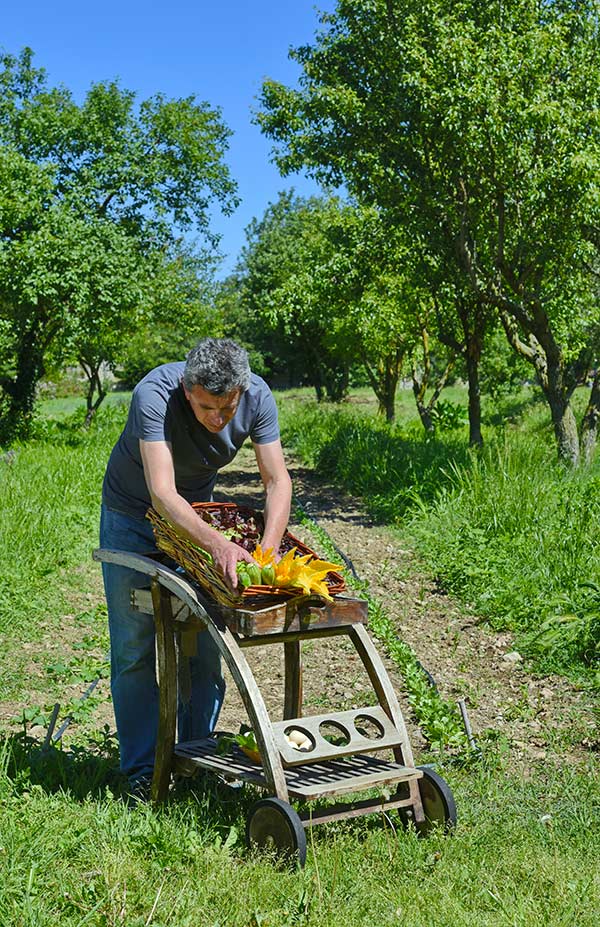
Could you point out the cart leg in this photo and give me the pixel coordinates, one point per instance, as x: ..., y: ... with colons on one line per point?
x: 383, y: 689
x: 292, y: 707
x: 256, y: 708
x: 167, y: 681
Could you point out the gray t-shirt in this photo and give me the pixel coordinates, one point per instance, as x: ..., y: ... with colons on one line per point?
x: 159, y: 411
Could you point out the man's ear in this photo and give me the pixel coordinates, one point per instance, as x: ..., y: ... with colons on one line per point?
x: 187, y: 395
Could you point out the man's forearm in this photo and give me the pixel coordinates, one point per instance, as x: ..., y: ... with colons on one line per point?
x: 277, y: 511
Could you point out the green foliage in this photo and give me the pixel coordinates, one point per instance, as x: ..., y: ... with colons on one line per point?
x: 448, y: 415
x: 92, y: 198
x: 476, y: 128
x: 576, y: 635
x: 508, y: 530
x: 279, y: 286
x: 245, y: 738
x: 335, y: 282
x: 503, y: 371
x: 273, y: 355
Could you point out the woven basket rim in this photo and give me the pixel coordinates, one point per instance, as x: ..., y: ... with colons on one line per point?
x: 205, y: 574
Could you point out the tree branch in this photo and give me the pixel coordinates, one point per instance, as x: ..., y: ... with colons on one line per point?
x: 531, y: 352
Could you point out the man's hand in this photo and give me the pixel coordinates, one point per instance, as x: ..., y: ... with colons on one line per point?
x: 226, y: 556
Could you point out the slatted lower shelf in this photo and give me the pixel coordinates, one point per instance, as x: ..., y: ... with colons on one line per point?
x: 315, y: 780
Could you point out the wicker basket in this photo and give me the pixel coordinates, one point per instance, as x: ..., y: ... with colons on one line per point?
x: 194, y: 562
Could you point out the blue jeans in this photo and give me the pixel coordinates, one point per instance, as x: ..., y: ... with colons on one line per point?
x: 132, y: 655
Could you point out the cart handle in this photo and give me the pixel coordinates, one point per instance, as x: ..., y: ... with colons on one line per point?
x: 168, y: 577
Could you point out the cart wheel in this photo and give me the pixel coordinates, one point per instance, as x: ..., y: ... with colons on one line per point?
x: 438, y: 804
x: 274, y: 825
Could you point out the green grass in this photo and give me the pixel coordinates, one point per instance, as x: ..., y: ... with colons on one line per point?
x: 59, y: 409
x: 509, y: 531
x: 49, y: 512
x: 525, y: 853
x: 526, y: 848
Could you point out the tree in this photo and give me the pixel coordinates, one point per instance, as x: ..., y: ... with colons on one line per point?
x: 174, y: 307
x: 366, y: 281
x: 338, y: 280
x: 90, y: 196
x: 279, y: 275
x: 463, y: 320
x: 476, y: 125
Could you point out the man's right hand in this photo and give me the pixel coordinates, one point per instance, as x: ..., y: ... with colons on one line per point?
x: 226, y: 556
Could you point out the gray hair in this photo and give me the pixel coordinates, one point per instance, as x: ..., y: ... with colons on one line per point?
x: 218, y: 365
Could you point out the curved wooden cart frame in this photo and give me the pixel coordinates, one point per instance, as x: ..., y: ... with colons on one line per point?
x: 327, y: 771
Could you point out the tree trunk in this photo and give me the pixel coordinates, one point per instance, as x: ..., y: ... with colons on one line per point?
x: 589, y: 424
x: 389, y: 374
x: 315, y: 370
x: 387, y: 407
x: 425, y: 416
x: 565, y: 428
x: 92, y: 405
x: 563, y: 418
x: 92, y: 372
x: 336, y: 383
x: 473, y: 355
x: 17, y: 415
x: 421, y: 385
x: 384, y: 382
x: 545, y: 355
x: 473, y: 319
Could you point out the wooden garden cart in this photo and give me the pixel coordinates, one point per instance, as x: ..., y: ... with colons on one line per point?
x: 326, y: 771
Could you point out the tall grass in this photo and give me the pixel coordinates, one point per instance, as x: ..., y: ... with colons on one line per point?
x: 518, y: 536
x: 49, y: 510
x: 390, y: 466
x: 509, y: 530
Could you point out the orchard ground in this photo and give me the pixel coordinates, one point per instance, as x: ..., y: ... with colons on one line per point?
x: 528, y: 806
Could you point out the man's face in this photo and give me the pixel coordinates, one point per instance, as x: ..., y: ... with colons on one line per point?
x: 212, y: 411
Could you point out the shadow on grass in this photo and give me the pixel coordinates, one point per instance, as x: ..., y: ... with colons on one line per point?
x: 83, y: 771
x: 90, y: 771
x: 512, y: 408
x: 392, y: 469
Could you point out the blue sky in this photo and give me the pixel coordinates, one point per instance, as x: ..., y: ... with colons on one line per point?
x: 220, y: 51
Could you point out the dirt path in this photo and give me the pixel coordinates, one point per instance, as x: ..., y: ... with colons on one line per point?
x: 538, y: 718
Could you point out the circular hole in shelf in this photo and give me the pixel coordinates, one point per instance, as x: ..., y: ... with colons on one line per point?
x: 295, y: 733
x: 334, y: 733
x: 368, y: 727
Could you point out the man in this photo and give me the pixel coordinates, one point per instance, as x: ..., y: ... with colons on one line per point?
x: 186, y: 421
